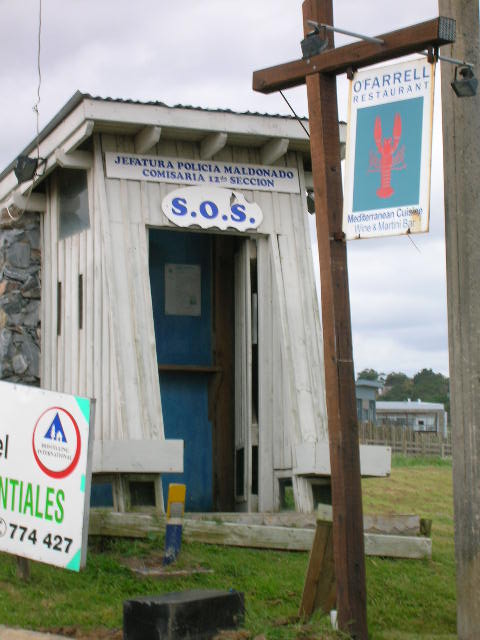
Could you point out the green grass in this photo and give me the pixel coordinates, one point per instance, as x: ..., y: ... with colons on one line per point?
x: 406, y: 599
x: 399, y: 460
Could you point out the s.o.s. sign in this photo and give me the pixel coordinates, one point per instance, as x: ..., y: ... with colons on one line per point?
x: 211, y: 208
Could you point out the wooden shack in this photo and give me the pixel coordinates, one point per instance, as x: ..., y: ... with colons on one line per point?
x: 178, y: 290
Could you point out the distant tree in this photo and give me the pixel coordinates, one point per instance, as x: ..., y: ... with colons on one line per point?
x: 425, y: 385
x: 371, y: 374
x: 431, y: 387
x: 398, y: 386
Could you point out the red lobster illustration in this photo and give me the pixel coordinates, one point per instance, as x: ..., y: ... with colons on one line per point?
x: 387, y: 162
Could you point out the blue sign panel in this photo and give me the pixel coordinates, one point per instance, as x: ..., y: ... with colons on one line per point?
x: 387, y: 155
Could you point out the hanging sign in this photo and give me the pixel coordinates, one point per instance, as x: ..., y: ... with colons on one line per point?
x: 388, y: 157
x: 255, y: 177
x: 210, y: 207
x: 45, y: 469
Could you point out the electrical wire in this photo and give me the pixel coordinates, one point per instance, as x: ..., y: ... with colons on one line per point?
x: 293, y: 111
x: 411, y: 240
x: 37, y: 103
x: 35, y: 108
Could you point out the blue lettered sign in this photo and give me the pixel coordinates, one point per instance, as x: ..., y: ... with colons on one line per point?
x: 202, y: 173
x: 387, y: 178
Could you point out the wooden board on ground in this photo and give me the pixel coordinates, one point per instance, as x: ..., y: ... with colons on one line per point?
x: 136, y: 525
x: 389, y: 524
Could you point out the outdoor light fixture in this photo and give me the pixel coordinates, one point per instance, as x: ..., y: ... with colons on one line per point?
x: 314, y: 43
x: 25, y: 168
x: 465, y: 83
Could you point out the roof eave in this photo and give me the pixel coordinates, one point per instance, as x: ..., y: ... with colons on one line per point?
x: 83, y: 114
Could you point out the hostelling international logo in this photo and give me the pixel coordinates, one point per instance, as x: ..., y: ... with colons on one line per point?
x: 56, y: 442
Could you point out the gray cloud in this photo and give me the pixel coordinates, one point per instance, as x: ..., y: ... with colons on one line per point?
x: 203, y: 54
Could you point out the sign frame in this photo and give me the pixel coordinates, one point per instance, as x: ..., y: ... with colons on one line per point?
x: 45, y: 474
x: 389, y: 150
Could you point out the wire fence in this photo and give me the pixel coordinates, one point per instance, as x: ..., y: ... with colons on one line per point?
x: 405, y: 440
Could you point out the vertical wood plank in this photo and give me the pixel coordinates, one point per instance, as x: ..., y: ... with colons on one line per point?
x: 91, y: 266
x: 243, y: 364
x: 60, y: 250
x: 53, y: 224
x: 46, y: 295
x: 82, y: 250
x: 265, y: 379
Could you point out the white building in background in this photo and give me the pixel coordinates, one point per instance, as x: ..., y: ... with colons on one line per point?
x: 416, y: 415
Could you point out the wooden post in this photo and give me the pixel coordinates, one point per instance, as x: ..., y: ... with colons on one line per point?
x: 318, y: 73
x: 23, y: 568
x: 348, y: 546
x: 461, y: 140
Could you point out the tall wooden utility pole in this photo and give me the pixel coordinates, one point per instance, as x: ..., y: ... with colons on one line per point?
x: 461, y: 141
x: 319, y: 74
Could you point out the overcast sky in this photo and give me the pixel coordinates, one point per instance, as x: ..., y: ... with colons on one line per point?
x: 203, y: 53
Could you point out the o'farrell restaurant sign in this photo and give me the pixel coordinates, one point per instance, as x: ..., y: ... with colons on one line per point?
x: 210, y: 173
x: 389, y: 142
x: 45, y: 470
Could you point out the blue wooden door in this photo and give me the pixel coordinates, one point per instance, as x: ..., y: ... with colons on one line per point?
x: 181, y: 285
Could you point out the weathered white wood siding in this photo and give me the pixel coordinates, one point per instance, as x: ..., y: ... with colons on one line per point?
x: 293, y: 410
x: 79, y: 361
x: 113, y: 358
x: 243, y: 369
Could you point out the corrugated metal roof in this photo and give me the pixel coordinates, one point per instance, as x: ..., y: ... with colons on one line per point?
x: 78, y: 97
x: 192, y: 107
x: 409, y: 406
x: 368, y: 383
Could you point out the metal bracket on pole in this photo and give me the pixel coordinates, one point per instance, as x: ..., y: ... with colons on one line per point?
x: 318, y: 25
x: 460, y: 63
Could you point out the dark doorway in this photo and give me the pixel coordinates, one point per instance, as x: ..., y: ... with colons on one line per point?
x: 192, y: 284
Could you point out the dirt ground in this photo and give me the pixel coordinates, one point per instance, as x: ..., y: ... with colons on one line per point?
x: 93, y: 634
x: 117, y: 634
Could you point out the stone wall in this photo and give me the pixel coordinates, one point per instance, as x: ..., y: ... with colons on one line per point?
x: 20, y: 286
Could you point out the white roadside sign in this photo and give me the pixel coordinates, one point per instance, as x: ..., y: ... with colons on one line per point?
x: 206, y: 173
x: 388, y: 157
x: 45, y: 471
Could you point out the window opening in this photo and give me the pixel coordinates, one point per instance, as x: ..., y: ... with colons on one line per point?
x: 255, y: 470
x: 74, y: 214
x: 142, y: 493
x: 80, y: 301
x: 240, y: 472
x: 59, y: 308
x: 101, y: 493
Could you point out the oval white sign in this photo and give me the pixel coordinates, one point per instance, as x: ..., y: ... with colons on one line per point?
x: 211, y: 208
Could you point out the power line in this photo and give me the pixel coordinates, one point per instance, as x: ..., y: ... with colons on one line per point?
x: 293, y: 111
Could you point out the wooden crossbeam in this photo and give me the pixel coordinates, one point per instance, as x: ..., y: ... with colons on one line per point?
x: 432, y: 33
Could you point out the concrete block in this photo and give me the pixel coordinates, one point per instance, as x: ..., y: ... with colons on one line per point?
x: 183, y: 615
